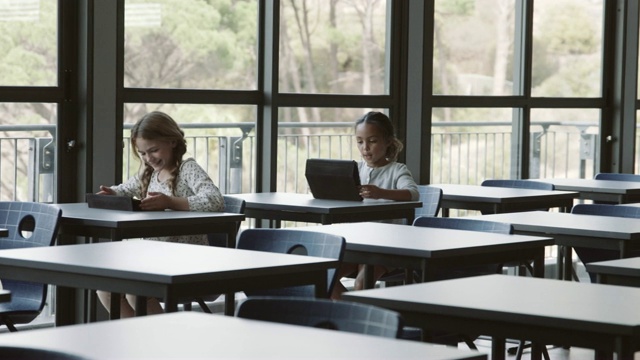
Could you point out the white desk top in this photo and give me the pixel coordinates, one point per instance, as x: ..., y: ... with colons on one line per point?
x: 306, y: 203
x: 610, y: 227
x: 155, y: 261
x: 195, y: 335
x: 623, y: 267
x: 424, y: 241
x: 593, y: 185
x: 493, y: 194
x: 82, y: 214
x: 518, y: 300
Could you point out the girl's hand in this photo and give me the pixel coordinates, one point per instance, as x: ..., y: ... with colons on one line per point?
x: 105, y: 190
x: 155, y: 201
x: 371, y: 192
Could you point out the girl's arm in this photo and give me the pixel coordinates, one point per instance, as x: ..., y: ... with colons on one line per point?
x: 204, y: 194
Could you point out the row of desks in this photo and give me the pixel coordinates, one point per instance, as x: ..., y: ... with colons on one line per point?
x: 426, y: 256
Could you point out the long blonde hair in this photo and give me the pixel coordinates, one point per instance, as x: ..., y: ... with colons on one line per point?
x: 157, y: 125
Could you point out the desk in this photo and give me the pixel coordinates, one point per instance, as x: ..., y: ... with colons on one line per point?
x: 278, y: 206
x: 496, y: 200
x: 600, y: 317
x: 617, y: 272
x: 159, y: 269
x: 429, y: 249
x: 611, y: 191
x: 191, y: 335
x: 80, y: 220
x: 598, y: 232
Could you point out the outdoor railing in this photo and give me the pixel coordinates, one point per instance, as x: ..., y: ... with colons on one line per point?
x: 461, y: 153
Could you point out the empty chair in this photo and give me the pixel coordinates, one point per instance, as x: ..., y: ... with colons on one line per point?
x: 617, y: 177
x: 323, y: 313
x: 466, y: 224
x: 30, y: 225
x: 518, y: 183
x: 231, y: 205
x: 430, y: 197
x: 587, y: 255
x: 297, y: 242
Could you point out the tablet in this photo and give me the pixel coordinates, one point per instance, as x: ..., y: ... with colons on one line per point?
x: 113, y: 202
x: 333, y: 179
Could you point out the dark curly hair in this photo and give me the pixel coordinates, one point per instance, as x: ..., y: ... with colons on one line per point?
x: 383, y: 122
x: 157, y: 125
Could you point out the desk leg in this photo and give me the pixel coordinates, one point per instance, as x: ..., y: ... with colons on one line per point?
x: 229, y: 303
x: 114, y: 306
x: 568, y: 263
x: 369, y: 283
x: 497, y: 348
x: 538, y: 265
x: 65, y: 306
x: 141, y: 305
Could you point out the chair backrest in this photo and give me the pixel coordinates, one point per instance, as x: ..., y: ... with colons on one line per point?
x: 30, y: 224
x: 617, y: 177
x: 300, y: 242
x: 231, y: 205
x: 522, y: 184
x: 607, y: 210
x: 430, y: 196
x: 323, y: 313
x: 588, y: 255
x: 464, y: 224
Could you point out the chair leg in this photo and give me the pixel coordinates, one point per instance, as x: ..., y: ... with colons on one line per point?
x: 523, y: 345
x: 204, y: 306
x: 187, y: 306
x: 10, y: 325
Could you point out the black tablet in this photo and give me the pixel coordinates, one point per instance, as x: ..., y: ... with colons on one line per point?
x: 333, y: 179
x: 113, y: 202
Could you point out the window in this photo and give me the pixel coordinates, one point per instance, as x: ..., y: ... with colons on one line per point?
x: 330, y: 46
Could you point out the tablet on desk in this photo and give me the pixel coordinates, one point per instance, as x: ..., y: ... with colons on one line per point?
x: 113, y: 202
x: 333, y: 179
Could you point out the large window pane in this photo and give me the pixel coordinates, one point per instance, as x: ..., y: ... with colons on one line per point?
x: 28, y: 43
x: 331, y: 46
x: 220, y: 137
x: 191, y: 44
x: 473, y: 47
x: 567, y: 48
x: 299, y: 140
x: 474, y: 145
x: 28, y: 148
x: 564, y: 143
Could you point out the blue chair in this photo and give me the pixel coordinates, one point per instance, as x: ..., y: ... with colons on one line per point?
x: 298, y: 242
x: 518, y: 183
x: 231, y: 205
x: 588, y: 255
x: 30, y: 225
x: 472, y: 225
x: 617, y: 177
x: 431, y: 197
x: 323, y: 313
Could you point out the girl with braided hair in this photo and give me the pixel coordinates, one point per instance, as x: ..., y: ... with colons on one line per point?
x: 165, y: 182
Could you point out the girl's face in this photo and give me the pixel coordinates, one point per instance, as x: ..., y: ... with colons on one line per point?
x: 372, y: 144
x: 157, y: 153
